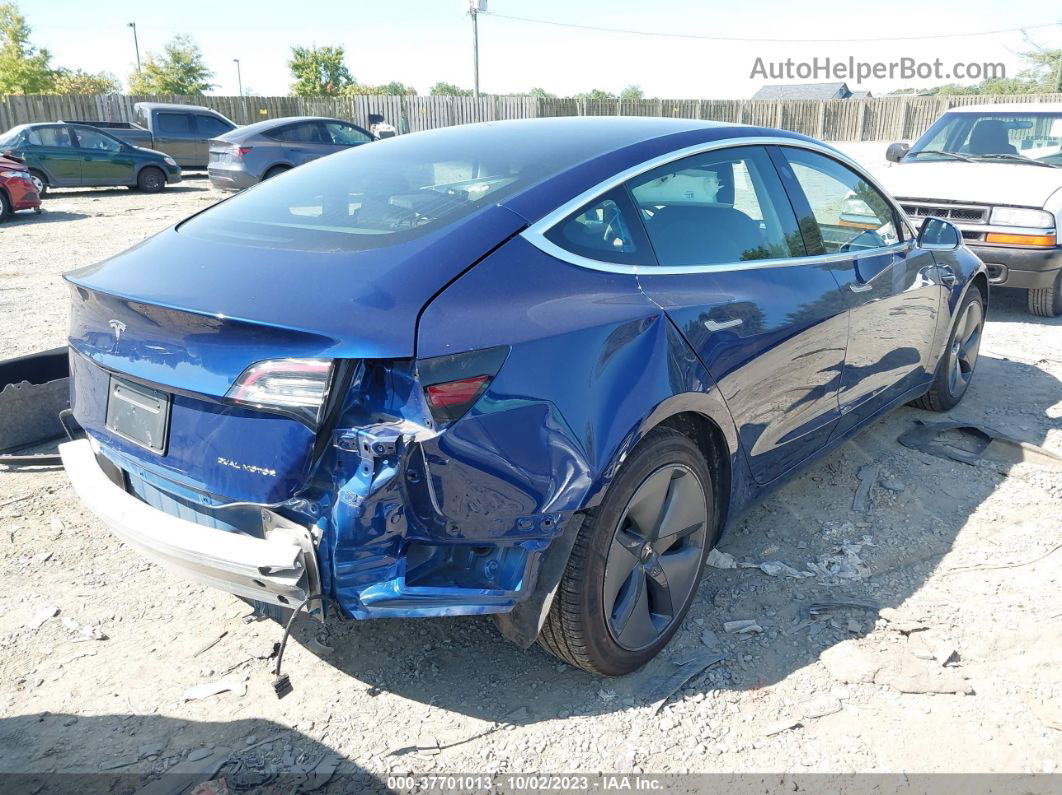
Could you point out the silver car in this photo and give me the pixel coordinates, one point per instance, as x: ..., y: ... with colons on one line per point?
x: 247, y: 155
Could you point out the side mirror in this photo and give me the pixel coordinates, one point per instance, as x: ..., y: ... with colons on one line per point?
x: 939, y: 235
x: 896, y: 151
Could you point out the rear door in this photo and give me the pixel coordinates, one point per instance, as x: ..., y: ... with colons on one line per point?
x: 304, y: 141
x: 893, y: 289
x: 103, y: 161
x: 175, y: 134
x: 770, y: 325
x: 208, y: 127
x: 51, y: 149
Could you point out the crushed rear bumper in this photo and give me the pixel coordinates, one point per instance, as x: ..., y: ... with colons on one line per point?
x: 279, y: 569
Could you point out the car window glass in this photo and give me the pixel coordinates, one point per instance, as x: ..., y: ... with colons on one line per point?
x: 50, y: 136
x: 852, y: 214
x: 91, y: 139
x: 174, y: 123
x: 305, y: 133
x: 346, y: 134
x: 718, y: 207
x: 10, y: 137
x: 604, y: 229
x: 211, y: 127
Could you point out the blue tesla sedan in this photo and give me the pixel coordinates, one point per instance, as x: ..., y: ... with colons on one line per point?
x: 530, y: 369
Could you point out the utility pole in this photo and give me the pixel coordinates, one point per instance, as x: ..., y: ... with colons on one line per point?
x: 239, y: 79
x: 137, y: 45
x: 474, y: 9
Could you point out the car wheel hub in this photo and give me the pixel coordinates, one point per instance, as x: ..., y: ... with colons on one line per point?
x: 965, y: 347
x: 655, y: 556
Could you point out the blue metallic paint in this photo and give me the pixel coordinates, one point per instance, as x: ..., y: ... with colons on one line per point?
x: 459, y: 520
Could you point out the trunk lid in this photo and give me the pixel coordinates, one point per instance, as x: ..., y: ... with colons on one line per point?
x: 188, y: 316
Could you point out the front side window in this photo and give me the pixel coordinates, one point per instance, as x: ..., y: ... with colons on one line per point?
x: 91, y: 139
x: 604, y: 229
x: 719, y: 207
x: 346, y: 134
x: 174, y: 123
x: 50, y: 136
x: 851, y: 214
x: 212, y: 127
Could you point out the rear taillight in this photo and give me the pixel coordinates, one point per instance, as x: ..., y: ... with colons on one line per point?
x: 297, y: 387
x: 242, y: 150
x: 452, y: 384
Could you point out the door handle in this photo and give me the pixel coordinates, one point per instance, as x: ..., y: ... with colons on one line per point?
x: 715, y: 325
x: 859, y: 288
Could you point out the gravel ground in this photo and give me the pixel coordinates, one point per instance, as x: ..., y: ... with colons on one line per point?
x: 957, y: 672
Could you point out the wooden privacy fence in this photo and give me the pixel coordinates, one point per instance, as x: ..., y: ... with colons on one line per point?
x: 877, y: 119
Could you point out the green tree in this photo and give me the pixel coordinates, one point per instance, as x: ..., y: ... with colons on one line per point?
x: 541, y: 93
x: 596, y: 95
x: 632, y: 92
x: 77, y: 81
x: 442, y: 89
x: 23, y: 68
x: 319, y: 71
x: 178, y: 70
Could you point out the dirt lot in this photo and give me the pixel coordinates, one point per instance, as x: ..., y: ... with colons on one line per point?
x: 966, y: 558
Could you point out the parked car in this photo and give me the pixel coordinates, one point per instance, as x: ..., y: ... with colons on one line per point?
x: 78, y: 156
x: 17, y: 190
x: 246, y: 156
x: 527, y: 368
x: 996, y: 172
x: 181, y: 131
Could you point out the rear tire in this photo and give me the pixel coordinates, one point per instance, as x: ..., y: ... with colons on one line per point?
x: 40, y: 182
x: 956, y: 366
x: 272, y: 172
x: 1047, y: 301
x: 150, y: 180
x: 5, y: 206
x: 657, y: 522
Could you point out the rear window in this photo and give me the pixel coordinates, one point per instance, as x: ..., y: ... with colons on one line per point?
x: 11, y: 136
x: 390, y: 191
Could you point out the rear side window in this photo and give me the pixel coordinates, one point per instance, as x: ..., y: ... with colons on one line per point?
x: 852, y: 215
x: 605, y: 229
x: 211, y: 127
x: 305, y: 133
x: 50, y: 136
x: 174, y: 123
x: 719, y: 207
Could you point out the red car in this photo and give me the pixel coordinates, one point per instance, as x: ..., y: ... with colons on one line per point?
x: 17, y: 191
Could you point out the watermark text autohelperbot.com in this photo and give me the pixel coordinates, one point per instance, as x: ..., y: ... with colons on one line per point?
x: 828, y: 69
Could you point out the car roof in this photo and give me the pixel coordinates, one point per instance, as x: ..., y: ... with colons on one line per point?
x: 1010, y: 107
x: 271, y: 124
x: 177, y: 106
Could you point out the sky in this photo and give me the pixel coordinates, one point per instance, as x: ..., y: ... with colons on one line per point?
x: 419, y: 42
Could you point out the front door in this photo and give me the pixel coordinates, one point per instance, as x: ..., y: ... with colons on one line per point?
x: 305, y: 141
x: 51, y: 149
x: 770, y: 324
x: 176, y: 135
x: 104, y: 160
x: 893, y: 289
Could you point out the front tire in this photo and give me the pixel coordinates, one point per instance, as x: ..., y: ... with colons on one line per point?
x: 150, y: 180
x: 5, y: 206
x: 637, y: 561
x: 1047, y: 301
x: 956, y: 366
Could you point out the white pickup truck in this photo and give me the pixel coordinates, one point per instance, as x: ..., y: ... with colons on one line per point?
x: 995, y: 171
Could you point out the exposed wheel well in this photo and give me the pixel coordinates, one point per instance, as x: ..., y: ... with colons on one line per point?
x: 981, y: 283
x: 709, y: 438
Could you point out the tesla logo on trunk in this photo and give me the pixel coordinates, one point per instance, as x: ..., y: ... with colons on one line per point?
x: 117, y: 327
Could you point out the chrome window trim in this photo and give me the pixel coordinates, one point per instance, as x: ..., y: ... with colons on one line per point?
x: 535, y: 233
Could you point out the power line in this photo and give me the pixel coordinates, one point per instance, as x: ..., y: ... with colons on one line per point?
x: 764, y: 40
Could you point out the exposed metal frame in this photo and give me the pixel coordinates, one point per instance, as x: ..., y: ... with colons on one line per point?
x: 536, y: 233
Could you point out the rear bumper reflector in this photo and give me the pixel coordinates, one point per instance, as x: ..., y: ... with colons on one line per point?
x: 280, y: 569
